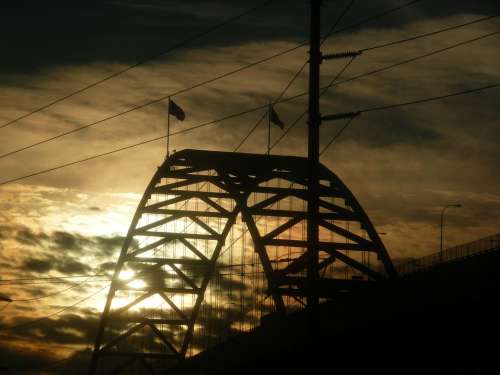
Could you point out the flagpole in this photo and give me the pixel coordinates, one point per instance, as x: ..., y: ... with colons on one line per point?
x: 168, y: 129
x: 269, y: 129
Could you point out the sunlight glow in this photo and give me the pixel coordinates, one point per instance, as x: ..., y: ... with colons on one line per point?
x: 137, y: 284
x: 126, y: 275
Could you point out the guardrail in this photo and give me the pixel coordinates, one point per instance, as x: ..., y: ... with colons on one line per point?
x: 481, y: 246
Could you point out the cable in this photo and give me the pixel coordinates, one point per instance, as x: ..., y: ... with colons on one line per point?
x: 431, y: 99
x: 339, y: 74
x: 52, y: 294
x: 291, y: 82
x: 58, y: 292
x: 132, y: 146
x: 429, y: 34
x: 141, y: 62
x: 379, y: 15
x: 404, y: 104
x: 334, y: 138
x: 364, y: 50
x: 366, y: 74
x: 324, y: 91
x: 294, y: 78
x: 420, y: 57
x: 164, y: 97
x: 50, y: 278
x: 54, y: 313
x: 50, y: 282
x: 5, y: 306
x: 146, y: 104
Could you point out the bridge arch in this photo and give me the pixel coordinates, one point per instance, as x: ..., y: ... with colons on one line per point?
x: 185, y: 224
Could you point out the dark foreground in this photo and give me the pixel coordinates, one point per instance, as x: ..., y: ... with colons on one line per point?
x: 441, y: 321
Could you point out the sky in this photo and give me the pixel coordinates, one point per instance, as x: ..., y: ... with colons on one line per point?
x: 403, y: 164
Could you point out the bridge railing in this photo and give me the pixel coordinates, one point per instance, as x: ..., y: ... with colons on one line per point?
x: 463, y: 251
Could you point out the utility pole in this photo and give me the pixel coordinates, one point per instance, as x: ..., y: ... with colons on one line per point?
x: 314, y: 122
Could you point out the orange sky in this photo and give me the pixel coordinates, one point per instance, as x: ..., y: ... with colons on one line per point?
x: 402, y: 165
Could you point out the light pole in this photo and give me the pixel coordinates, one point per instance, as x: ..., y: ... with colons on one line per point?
x: 457, y: 205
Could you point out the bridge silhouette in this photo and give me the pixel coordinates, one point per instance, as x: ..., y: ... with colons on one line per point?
x: 219, y: 240
x: 217, y: 253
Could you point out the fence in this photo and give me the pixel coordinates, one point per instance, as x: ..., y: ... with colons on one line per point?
x: 481, y: 246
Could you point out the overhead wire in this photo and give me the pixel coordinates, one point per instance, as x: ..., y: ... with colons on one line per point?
x: 59, y: 292
x: 296, y: 76
x: 5, y: 306
x: 66, y: 308
x: 49, y: 278
x: 178, y: 45
x: 324, y: 91
x: 283, y: 100
x: 416, y: 58
x: 405, y: 104
x: 200, y: 84
x: 432, y: 33
x: 431, y: 99
x: 330, y: 32
x: 337, y: 135
x: 50, y: 282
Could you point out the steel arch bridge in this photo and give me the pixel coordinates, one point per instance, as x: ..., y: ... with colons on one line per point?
x: 218, y: 240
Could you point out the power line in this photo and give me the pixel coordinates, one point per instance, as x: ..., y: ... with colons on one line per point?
x: 431, y: 99
x: 337, y: 135
x: 134, y: 145
x: 432, y: 33
x: 413, y: 59
x: 339, y: 74
x: 141, y: 62
x: 53, y: 294
x: 295, y: 77
x: 363, y: 75
x: 50, y: 278
x: 200, y: 84
x: 5, y: 306
x: 324, y: 91
x: 149, y: 103
x: 49, y: 282
x: 405, y: 104
x: 25, y: 324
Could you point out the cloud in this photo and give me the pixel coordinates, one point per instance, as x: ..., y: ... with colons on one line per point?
x: 26, y: 236
x: 402, y: 165
x: 38, y: 265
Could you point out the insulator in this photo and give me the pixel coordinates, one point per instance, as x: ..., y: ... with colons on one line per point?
x: 340, y: 116
x: 342, y: 55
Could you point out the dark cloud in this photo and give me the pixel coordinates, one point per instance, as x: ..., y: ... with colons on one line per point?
x: 110, y: 245
x: 70, y: 266
x: 107, y: 266
x: 66, y: 329
x: 127, y: 31
x: 38, y: 265
x: 117, y: 31
x: 62, y: 249
x: 68, y: 241
x: 62, y: 264
x: 26, y: 236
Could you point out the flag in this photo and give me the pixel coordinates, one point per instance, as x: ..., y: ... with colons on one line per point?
x: 175, y: 110
x: 274, y: 118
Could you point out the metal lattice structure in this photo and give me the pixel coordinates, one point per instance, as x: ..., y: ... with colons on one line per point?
x: 170, y: 292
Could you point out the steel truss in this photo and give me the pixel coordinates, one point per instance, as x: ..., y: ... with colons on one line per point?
x: 192, y: 202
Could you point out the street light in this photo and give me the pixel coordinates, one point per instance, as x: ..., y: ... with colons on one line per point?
x: 457, y: 205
